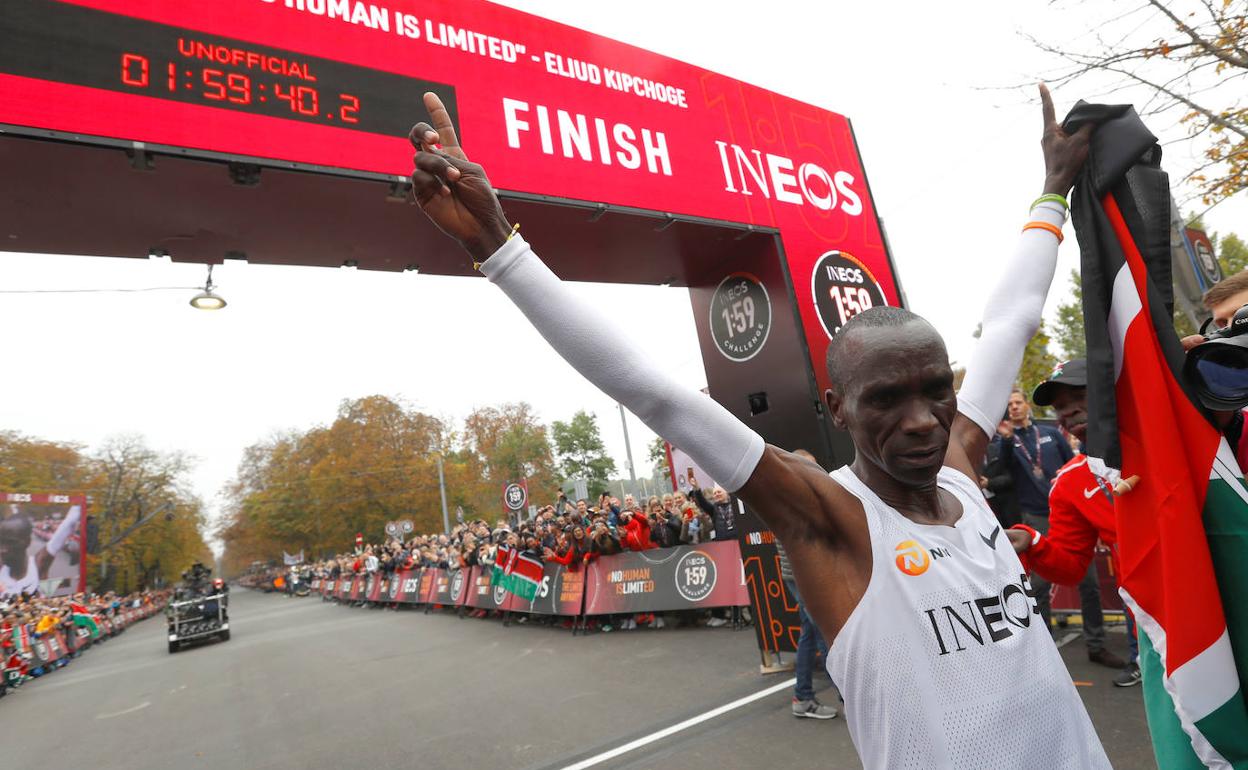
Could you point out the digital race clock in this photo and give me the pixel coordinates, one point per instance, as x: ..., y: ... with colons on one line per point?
x: 79, y: 46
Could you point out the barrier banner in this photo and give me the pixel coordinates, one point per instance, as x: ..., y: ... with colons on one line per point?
x: 316, y: 583
x: 357, y: 585
x: 44, y: 652
x: 78, y: 639
x: 560, y: 592
x: 373, y: 592
x: 405, y: 586
x: 483, y: 594
x: 445, y: 587
x: 56, y: 643
x: 686, y: 577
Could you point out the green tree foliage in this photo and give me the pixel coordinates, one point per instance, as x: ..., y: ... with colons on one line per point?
x: 657, y: 454
x: 1038, y: 362
x: 580, y: 451
x: 1232, y: 253
x: 1068, y: 328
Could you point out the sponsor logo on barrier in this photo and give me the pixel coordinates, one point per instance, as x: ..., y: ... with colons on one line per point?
x: 500, y: 594
x: 695, y: 576
x: 457, y: 586
x: 636, y: 580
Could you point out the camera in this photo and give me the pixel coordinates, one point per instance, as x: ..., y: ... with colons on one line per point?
x: 1218, y: 367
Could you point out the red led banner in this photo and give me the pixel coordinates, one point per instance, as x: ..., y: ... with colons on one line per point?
x: 548, y: 109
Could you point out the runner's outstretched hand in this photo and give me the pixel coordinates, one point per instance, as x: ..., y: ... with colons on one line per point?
x: 1064, y: 154
x: 453, y: 191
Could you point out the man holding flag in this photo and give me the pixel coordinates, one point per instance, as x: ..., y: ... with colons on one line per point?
x: 1182, y: 511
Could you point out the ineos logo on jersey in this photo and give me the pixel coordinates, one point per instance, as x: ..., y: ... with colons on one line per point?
x: 985, y: 619
x: 912, y: 558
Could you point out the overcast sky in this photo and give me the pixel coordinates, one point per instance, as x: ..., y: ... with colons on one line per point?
x: 953, y: 161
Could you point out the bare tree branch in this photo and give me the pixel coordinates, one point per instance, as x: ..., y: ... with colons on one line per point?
x: 1212, y: 50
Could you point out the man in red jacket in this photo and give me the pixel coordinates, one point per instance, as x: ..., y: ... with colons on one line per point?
x: 1081, y: 505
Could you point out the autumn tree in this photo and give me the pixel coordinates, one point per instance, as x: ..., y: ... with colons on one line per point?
x: 1191, y: 57
x: 314, y: 490
x: 580, y: 451
x: 150, y: 524
x: 507, y: 443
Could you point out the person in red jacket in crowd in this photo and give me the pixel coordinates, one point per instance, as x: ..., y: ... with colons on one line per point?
x: 1081, y: 506
x: 636, y: 532
x: 574, y: 549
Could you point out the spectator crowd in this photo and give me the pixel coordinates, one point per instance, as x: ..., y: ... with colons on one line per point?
x: 26, y: 619
x: 565, y: 532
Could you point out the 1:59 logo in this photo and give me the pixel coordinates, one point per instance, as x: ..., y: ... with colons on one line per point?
x: 842, y: 288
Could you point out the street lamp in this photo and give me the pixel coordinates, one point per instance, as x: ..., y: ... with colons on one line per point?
x: 206, y: 299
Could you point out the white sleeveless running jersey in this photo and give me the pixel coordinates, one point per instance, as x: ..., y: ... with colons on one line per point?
x: 28, y: 584
x: 945, y: 662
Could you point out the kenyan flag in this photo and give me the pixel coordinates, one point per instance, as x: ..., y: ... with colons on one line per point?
x: 516, y: 572
x: 502, y: 564
x: 1183, y: 530
x: 525, y: 576
x: 84, y: 619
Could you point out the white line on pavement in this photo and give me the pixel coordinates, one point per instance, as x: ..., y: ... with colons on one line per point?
x: 132, y: 709
x: 685, y: 725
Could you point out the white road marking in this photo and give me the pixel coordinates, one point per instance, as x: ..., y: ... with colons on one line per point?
x: 130, y: 710
x: 685, y: 725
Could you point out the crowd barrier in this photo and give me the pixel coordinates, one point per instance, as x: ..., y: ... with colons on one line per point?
x: 659, y: 580
x: 33, y: 651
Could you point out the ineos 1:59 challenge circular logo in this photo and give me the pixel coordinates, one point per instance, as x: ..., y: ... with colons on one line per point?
x: 515, y: 496
x: 740, y: 316
x: 695, y: 576
x: 842, y: 287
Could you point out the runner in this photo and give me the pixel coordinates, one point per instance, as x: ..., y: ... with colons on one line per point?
x: 898, y: 557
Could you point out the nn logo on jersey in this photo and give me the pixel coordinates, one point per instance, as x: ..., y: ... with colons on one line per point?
x: 913, y: 559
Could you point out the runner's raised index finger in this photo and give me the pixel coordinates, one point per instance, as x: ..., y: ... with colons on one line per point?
x: 1046, y: 102
x: 441, y: 121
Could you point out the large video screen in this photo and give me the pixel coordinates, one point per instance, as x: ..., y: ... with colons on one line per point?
x: 42, y: 544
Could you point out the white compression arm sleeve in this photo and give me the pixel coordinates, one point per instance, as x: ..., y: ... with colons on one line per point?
x: 716, y: 440
x: 63, y: 532
x: 1011, y: 317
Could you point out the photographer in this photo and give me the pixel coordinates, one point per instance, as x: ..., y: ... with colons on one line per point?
x: 1223, y: 301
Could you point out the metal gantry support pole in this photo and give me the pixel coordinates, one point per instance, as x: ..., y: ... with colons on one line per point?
x: 446, y: 519
x: 628, y: 448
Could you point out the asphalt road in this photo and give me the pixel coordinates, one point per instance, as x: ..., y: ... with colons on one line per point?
x: 310, y: 685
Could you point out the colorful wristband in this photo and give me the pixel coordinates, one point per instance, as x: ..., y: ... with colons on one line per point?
x: 1054, y: 197
x: 1038, y: 225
